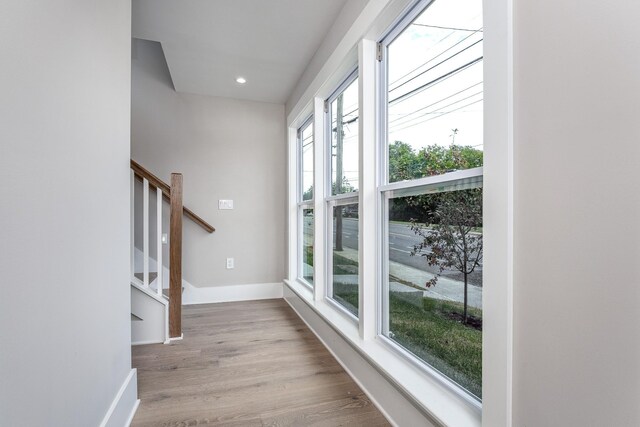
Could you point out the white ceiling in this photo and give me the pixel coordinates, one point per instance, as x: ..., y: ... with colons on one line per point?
x: 208, y: 43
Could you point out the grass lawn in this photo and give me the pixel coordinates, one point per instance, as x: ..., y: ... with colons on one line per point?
x: 342, y: 265
x: 432, y: 332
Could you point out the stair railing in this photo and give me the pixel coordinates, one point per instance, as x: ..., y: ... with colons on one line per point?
x: 173, y: 194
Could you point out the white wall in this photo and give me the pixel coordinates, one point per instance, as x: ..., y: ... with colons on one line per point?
x: 225, y: 149
x: 64, y: 256
x: 577, y: 214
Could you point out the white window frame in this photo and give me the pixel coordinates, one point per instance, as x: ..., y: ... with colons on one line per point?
x: 358, y: 46
x: 386, y: 189
x: 303, y: 205
x: 332, y: 201
x: 331, y: 204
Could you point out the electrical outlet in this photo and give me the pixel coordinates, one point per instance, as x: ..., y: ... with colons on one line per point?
x: 229, y: 263
x: 165, y: 239
x: 225, y: 204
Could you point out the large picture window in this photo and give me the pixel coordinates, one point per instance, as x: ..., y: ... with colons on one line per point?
x: 432, y: 189
x: 342, y: 202
x: 305, y: 145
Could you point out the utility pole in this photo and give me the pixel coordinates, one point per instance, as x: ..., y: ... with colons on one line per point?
x: 454, y: 132
x: 339, y: 170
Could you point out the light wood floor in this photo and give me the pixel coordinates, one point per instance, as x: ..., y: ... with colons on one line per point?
x: 246, y: 364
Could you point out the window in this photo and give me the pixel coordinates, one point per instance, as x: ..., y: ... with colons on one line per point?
x: 344, y: 263
x: 342, y: 203
x: 343, y: 119
x: 305, y: 202
x: 432, y: 189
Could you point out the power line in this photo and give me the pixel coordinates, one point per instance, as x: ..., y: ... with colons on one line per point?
x: 437, y: 117
x: 427, y: 62
x: 435, y: 57
x: 445, y: 28
x: 439, y: 63
x: 437, y: 111
x: 427, y: 113
x: 435, y: 81
x: 432, y: 59
x: 434, y: 103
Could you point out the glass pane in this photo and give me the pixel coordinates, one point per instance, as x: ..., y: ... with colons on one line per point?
x: 435, y: 92
x: 344, y: 141
x: 345, y: 256
x: 435, y: 281
x: 307, y: 245
x: 306, y: 146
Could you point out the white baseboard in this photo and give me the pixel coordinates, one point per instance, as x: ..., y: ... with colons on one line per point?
x: 229, y: 293
x: 214, y: 294
x: 170, y: 340
x: 133, y: 413
x: 147, y: 342
x: 125, y: 403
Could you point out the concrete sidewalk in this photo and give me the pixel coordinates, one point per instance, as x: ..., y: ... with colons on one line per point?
x: 444, y: 289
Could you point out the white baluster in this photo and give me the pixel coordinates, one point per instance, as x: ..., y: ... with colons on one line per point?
x: 145, y: 230
x: 133, y: 220
x: 159, y: 241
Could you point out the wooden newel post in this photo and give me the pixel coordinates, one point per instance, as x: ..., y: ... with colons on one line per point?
x: 175, y: 258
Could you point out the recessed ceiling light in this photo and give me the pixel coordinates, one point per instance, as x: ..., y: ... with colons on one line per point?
x: 241, y: 80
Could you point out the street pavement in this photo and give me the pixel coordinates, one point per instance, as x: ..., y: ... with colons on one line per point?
x: 410, y: 273
x: 401, y: 242
x: 444, y: 289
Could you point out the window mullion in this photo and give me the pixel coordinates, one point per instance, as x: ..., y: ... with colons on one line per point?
x: 368, y: 206
x: 318, y: 201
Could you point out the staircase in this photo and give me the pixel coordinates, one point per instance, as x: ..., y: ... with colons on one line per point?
x: 156, y: 296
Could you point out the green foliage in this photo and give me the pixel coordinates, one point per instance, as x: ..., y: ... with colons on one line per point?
x: 451, y: 241
x: 307, y: 255
x: 345, y: 188
x: 406, y: 164
x: 308, y: 194
x: 430, y: 331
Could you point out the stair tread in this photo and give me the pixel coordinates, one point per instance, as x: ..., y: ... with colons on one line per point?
x: 165, y: 292
x: 152, y: 276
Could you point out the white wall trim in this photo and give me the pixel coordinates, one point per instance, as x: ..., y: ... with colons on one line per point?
x: 174, y: 339
x: 229, y: 293
x: 148, y: 342
x: 133, y: 413
x: 124, y: 404
x: 497, y: 337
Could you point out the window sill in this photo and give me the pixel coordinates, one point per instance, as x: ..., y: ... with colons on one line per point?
x: 432, y: 396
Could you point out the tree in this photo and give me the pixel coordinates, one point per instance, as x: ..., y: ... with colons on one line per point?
x: 308, y: 194
x: 452, y: 241
x: 406, y: 164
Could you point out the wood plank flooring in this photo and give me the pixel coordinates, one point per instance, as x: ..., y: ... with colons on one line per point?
x: 246, y: 364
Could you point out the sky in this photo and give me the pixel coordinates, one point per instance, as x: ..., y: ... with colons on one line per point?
x: 434, y: 88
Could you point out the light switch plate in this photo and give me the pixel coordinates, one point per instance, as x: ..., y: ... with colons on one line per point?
x: 225, y: 204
